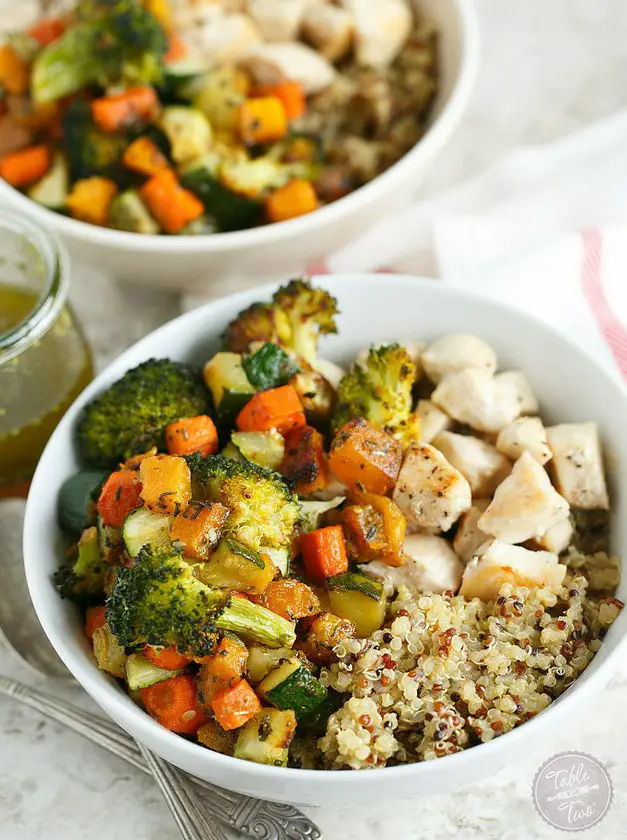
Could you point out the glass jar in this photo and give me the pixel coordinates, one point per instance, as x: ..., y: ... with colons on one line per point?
x: 45, y: 361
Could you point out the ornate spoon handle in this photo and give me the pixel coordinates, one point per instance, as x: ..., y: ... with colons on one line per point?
x: 253, y: 817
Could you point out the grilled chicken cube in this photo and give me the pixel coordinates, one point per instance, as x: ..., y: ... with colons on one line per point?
x: 577, y: 465
x: 227, y: 38
x: 381, y: 30
x: 278, y: 20
x: 514, y: 386
x: 432, y: 420
x: 270, y: 64
x: 332, y: 373
x: 480, y: 463
x: 429, y: 491
x: 472, y: 397
x: 468, y: 537
x: 525, y: 505
x: 526, y: 434
x: 430, y: 565
x: 557, y: 538
x: 457, y: 352
x: 497, y: 563
x: 329, y: 29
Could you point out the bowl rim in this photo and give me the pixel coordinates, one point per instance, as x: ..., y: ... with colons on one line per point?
x: 436, y: 136
x: 595, y: 676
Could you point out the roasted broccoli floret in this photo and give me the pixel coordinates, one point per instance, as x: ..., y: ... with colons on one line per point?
x: 131, y: 415
x: 112, y: 42
x: 298, y: 314
x: 380, y: 391
x: 83, y: 579
x: 158, y: 601
x: 90, y: 151
x: 263, y: 510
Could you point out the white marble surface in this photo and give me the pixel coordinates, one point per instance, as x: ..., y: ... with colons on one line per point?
x: 549, y: 66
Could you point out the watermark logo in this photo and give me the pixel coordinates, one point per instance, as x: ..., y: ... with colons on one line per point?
x: 572, y: 791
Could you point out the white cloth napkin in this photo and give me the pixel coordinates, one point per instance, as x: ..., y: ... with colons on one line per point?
x: 544, y: 229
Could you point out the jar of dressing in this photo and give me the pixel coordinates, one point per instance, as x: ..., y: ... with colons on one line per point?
x: 45, y: 361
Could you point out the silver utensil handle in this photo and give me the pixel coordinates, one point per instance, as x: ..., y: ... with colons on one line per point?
x: 253, y: 817
x: 181, y: 799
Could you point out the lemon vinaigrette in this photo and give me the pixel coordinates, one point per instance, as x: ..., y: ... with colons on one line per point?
x: 44, y: 359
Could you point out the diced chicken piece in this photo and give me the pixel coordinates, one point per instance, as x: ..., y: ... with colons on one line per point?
x: 430, y: 492
x: 430, y: 565
x: 228, y: 38
x: 481, y: 464
x: 525, y: 505
x: 274, y: 63
x: 278, y: 20
x: 333, y: 488
x: 557, y: 538
x: 329, y: 29
x: 432, y: 420
x: 526, y: 434
x: 472, y: 397
x: 468, y: 537
x: 332, y: 373
x: 514, y: 385
x: 497, y: 563
x: 19, y: 16
x: 381, y: 30
x: 457, y: 352
x: 577, y: 465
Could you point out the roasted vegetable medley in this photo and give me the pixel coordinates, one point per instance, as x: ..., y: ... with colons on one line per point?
x: 300, y: 565
x: 180, y: 117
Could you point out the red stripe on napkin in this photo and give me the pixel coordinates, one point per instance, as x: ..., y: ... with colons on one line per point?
x: 318, y: 267
x: 612, y: 329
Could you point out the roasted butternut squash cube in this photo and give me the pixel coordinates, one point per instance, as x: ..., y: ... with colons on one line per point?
x: 365, y: 458
x: 305, y: 464
x: 198, y: 528
x: 374, y: 530
x: 291, y: 599
x: 212, y: 736
x: 166, y: 483
x: 223, y: 669
x: 235, y: 566
x: 325, y: 632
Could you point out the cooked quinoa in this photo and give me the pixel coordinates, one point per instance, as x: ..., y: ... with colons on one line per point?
x: 447, y: 673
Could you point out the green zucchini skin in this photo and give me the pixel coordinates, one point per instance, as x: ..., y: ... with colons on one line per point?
x: 75, y: 497
x: 269, y: 367
x: 299, y: 690
x: 229, y: 210
x: 141, y: 673
x: 356, y: 582
x: 231, y: 404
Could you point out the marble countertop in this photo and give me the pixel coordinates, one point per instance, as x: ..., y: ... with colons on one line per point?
x: 547, y: 69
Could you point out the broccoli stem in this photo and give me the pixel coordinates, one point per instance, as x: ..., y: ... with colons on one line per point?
x: 257, y: 624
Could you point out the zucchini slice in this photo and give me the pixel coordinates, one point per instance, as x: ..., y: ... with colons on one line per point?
x: 281, y: 557
x: 75, y: 498
x: 229, y: 386
x: 293, y: 686
x: 262, y: 660
x: 52, y: 190
x: 140, y: 672
x: 109, y: 540
x: 143, y: 527
x: 263, y: 448
x: 267, y: 737
x: 235, y: 566
x: 360, y: 599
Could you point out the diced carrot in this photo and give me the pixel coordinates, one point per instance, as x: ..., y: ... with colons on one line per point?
x: 375, y: 530
x: 170, y: 204
x: 305, y: 463
x: 262, y: 120
x: 94, y: 618
x: 177, y: 49
x: 292, y: 95
x: 112, y: 113
x: 144, y: 156
x: 294, y: 199
x: 118, y: 497
x: 166, y: 657
x: 365, y: 458
x: 290, y: 598
x: 46, y: 31
x: 25, y: 166
x: 14, y: 74
x: 324, y: 552
x: 276, y: 408
x: 223, y: 669
x: 91, y: 199
x: 166, y: 483
x: 174, y: 704
x: 197, y: 529
x: 233, y: 707
x: 192, y: 434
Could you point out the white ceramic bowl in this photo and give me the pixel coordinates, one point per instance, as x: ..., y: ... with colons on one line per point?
x: 196, y: 263
x: 374, y: 308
